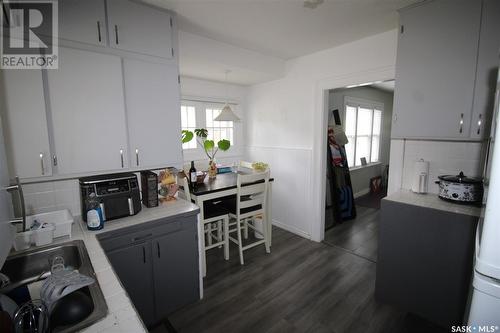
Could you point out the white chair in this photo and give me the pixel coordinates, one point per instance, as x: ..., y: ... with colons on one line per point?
x: 215, y: 218
x: 250, y: 202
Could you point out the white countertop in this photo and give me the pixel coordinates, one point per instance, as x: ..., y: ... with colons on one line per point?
x: 430, y: 200
x: 122, y: 316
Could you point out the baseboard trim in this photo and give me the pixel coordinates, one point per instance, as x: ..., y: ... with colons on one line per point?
x: 361, y: 193
x: 291, y: 229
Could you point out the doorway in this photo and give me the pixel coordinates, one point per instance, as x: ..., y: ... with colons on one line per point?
x: 359, y: 126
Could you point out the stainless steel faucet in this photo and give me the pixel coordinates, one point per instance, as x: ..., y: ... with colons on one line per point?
x: 17, y: 187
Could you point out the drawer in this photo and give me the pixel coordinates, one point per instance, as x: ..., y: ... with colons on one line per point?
x: 145, y: 231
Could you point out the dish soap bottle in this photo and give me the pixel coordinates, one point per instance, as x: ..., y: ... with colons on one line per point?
x: 94, y: 214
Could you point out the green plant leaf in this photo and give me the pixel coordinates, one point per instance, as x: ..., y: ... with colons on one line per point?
x: 201, y: 132
x: 208, y: 145
x: 187, y: 136
x: 224, y: 144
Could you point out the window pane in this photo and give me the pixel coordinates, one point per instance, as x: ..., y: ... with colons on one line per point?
x: 218, y: 130
x: 377, y: 121
x: 364, y: 121
x: 350, y: 120
x: 362, y: 148
x: 188, y: 122
x: 375, y: 148
x: 209, y: 118
x: 349, y: 150
x: 191, y: 116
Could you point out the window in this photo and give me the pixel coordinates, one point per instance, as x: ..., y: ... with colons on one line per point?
x: 201, y: 115
x: 218, y: 130
x: 188, y: 122
x: 363, y: 120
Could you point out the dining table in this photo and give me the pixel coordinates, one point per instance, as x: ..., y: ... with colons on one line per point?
x: 225, y: 184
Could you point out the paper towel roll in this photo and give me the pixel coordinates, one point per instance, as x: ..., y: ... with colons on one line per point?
x: 420, y: 176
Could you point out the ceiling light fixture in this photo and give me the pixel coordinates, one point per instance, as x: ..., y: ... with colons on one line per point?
x: 312, y: 3
x: 227, y: 114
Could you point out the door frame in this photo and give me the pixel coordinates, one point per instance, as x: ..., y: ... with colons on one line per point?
x: 320, y: 120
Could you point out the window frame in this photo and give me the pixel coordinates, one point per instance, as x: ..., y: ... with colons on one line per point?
x: 366, y: 104
x: 190, y: 104
x: 191, y: 154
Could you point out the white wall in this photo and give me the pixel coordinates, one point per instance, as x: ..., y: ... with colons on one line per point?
x: 360, y: 177
x: 282, y: 124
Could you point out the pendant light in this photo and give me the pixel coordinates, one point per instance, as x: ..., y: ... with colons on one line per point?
x: 227, y: 114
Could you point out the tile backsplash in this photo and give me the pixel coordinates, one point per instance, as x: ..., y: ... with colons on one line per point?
x: 50, y: 196
x: 445, y: 157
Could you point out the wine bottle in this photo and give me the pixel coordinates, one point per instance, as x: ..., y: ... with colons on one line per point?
x: 192, y: 175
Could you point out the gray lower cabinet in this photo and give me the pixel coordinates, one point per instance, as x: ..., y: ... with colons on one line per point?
x: 157, y: 263
x: 173, y: 271
x: 134, y: 266
x: 425, y: 261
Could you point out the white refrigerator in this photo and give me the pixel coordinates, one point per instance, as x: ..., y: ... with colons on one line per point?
x: 485, y: 302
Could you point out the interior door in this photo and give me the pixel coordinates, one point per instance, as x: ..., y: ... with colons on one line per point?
x: 26, y: 133
x: 135, y: 269
x: 176, y: 277
x: 88, y: 112
x: 83, y: 21
x: 140, y: 28
x: 154, y: 139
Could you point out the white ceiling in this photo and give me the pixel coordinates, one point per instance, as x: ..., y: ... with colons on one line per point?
x: 285, y: 28
x: 385, y: 86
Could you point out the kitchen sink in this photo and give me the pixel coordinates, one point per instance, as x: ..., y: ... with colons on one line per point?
x: 34, y: 265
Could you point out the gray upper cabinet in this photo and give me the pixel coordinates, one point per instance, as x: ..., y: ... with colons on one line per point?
x: 436, y: 70
x: 112, y: 105
x: 140, y: 28
x: 88, y: 112
x: 83, y: 21
x: 154, y: 137
x: 24, y: 116
x: 487, y: 69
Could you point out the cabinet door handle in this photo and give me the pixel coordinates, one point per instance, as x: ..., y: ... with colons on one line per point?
x: 479, y: 122
x: 158, y: 249
x: 54, y: 159
x: 461, y: 123
x: 121, y: 157
x: 137, y: 157
x: 99, y: 31
x: 116, y: 35
x: 42, y: 166
x: 144, y: 254
x: 135, y: 239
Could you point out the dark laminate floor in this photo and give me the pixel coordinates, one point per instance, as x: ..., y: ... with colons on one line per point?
x: 358, y: 236
x: 302, y: 286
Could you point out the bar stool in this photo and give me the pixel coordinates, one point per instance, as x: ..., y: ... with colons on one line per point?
x: 212, y: 214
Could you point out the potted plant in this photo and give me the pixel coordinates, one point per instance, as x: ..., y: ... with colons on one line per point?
x: 208, y: 145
